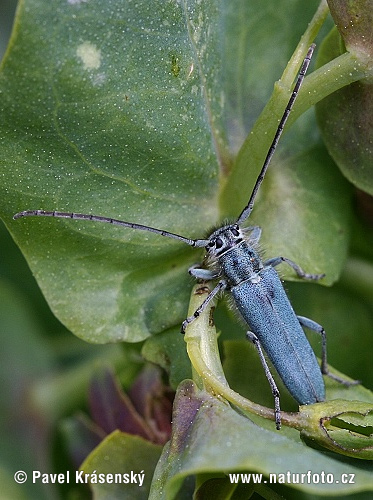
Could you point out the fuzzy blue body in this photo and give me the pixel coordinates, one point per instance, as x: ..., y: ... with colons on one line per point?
x: 262, y: 302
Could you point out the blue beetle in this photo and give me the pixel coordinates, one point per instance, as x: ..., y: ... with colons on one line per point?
x: 257, y: 291
x: 260, y: 298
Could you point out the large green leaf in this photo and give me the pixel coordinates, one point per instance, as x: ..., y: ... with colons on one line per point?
x: 121, y: 467
x: 102, y: 111
x: 208, y: 435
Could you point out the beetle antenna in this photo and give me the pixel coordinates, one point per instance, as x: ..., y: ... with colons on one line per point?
x: 115, y: 222
x: 249, y: 207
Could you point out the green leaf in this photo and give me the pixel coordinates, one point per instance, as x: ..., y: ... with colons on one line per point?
x: 167, y: 350
x: 332, y: 308
x: 305, y: 210
x: 345, y: 117
x: 342, y: 426
x: 354, y: 23
x: 219, y: 489
x: 121, y: 454
x: 210, y: 436
x: 95, y: 120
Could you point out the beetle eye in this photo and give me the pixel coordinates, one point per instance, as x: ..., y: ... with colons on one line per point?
x: 235, y: 231
x: 219, y: 242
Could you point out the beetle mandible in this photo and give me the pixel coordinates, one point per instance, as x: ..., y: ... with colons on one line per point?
x: 258, y: 293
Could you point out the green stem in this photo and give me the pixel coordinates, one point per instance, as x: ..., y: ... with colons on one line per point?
x: 334, y: 75
x: 201, y: 341
x: 291, y: 70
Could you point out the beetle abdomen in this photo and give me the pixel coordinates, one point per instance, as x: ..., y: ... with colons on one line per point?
x: 265, y: 307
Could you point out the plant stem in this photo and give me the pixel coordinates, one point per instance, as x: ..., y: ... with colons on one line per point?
x: 334, y: 75
x: 291, y: 70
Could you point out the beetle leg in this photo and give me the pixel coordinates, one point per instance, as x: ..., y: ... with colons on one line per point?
x: 275, y: 392
x: 275, y: 261
x: 219, y: 287
x: 201, y: 273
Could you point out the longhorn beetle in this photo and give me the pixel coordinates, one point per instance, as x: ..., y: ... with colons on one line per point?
x: 232, y: 259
